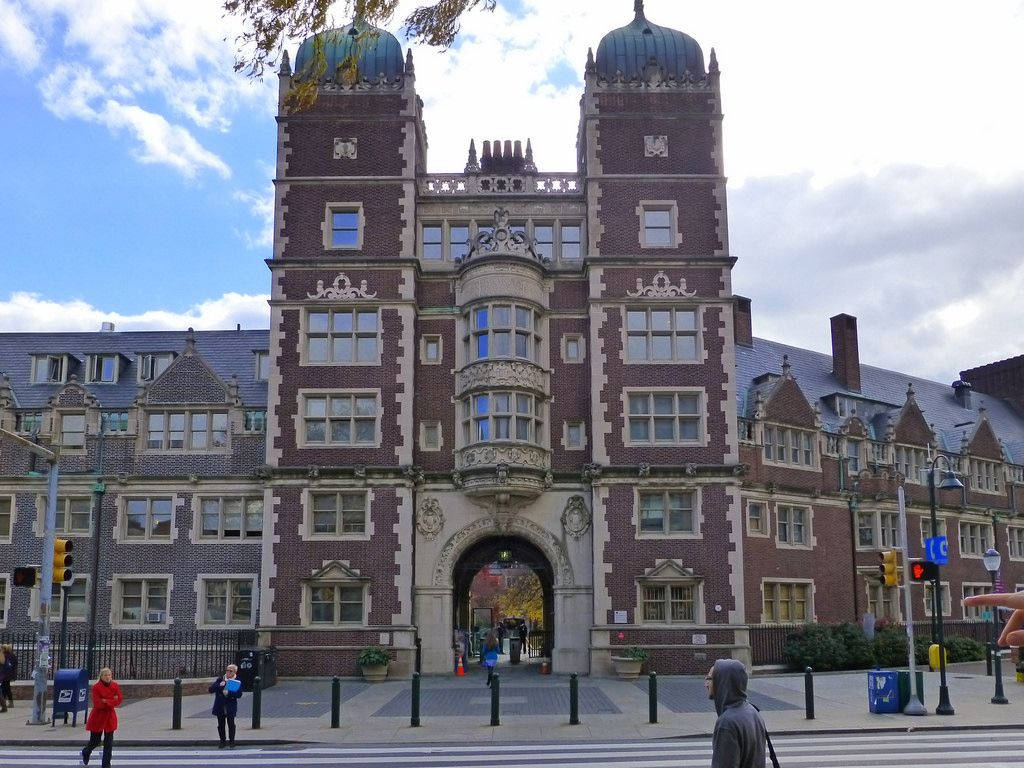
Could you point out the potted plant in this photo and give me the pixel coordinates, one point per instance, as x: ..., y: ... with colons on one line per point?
x: 373, y: 661
x: 628, y: 664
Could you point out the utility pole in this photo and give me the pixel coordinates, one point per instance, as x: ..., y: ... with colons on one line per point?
x: 41, y: 672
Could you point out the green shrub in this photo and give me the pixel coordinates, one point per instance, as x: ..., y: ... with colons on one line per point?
x: 858, y: 647
x: 921, y: 645
x: 890, y: 647
x: 816, y: 646
x: 636, y: 653
x: 963, y: 649
x: 374, y: 656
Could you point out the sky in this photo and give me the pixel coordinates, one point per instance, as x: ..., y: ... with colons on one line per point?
x: 874, y: 153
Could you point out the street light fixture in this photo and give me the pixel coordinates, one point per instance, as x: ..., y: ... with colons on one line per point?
x: 949, y: 482
x: 992, y: 560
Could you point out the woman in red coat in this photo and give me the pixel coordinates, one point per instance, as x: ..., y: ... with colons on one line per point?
x: 102, y: 722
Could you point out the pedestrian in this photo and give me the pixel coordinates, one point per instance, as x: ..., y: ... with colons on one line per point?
x: 8, y: 673
x: 226, y: 690
x: 740, y: 734
x: 489, y: 652
x: 102, y: 721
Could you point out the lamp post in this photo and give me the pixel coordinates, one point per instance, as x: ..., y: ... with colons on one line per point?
x: 949, y: 481
x: 992, y: 560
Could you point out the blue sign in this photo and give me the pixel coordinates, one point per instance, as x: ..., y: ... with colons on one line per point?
x: 936, y: 550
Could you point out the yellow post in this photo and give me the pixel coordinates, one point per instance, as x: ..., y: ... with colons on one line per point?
x: 933, y: 656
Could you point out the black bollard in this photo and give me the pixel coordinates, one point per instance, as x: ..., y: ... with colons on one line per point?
x: 257, y: 701
x: 335, y: 702
x: 988, y: 659
x: 176, y: 706
x: 652, y: 696
x: 809, y: 692
x: 414, y: 721
x: 1000, y: 697
x: 495, y: 699
x: 574, y: 699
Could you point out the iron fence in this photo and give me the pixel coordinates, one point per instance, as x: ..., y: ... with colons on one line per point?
x: 138, y: 654
x: 538, y: 644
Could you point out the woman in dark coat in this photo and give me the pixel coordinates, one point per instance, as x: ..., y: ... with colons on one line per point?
x: 8, y: 672
x: 225, y: 704
x: 102, y: 722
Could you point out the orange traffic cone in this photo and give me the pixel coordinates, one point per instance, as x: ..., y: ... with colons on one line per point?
x: 460, y: 671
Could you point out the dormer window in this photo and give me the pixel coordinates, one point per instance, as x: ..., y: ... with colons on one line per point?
x: 49, y: 369
x: 262, y: 365
x: 152, y: 364
x: 103, y: 369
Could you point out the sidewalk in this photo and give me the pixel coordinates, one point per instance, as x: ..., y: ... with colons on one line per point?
x: 533, y: 708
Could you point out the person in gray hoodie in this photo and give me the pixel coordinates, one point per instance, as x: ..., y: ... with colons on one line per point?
x: 739, y: 737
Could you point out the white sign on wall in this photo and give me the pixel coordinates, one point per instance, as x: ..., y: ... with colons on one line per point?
x: 620, y: 617
x: 700, y: 640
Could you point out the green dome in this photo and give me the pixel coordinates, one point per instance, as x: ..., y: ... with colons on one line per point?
x: 630, y: 48
x: 377, y: 51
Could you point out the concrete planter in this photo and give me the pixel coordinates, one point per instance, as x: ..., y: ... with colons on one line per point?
x: 626, y: 668
x: 375, y: 672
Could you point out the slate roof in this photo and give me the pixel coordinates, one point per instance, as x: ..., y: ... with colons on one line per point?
x: 882, y: 394
x: 226, y: 352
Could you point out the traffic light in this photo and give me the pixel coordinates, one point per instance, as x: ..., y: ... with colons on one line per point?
x: 25, y: 577
x: 62, y: 561
x: 923, y: 570
x: 889, y: 567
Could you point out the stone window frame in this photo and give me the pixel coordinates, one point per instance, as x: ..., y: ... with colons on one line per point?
x: 59, y: 434
x: 984, y: 475
x: 566, y: 445
x: 300, y: 417
x: 116, y: 585
x: 121, y: 529
x: 56, y: 601
x: 878, y: 539
x: 196, y: 511
x: 12, y: 515
x: 581, y: 346
x: 697, y: 512
x: 469, y: 418
x: 1015, y: 553
x: 64, y: 499
x: 327, y: 225
x: 259, y: 356
x: 424, y: 358
x: 976, y: 588
x: 808, y: 542
x: 202, y: 579
x: 62, y: 359
x: 20, y: 417
x: 421, y: 239
x: 331, y: 310
x: 983, y: 544
x: 764, y: 532
x: 672, y: 206
x: 422, y: 436
x: 944, y: 591
x: 246, y: 428
x: 695, y: 583
x: 907, y: 458
x: 874, y: 590
x: 534, y: 333
x: 846, y: 457
x: 702, y: 426
x: 94, y: 361
x: 5, y: 599
x: 809, y: 611
x: 306, y: 530
x: 306, y: 608
x: 943, y: 526
x: 187, y: 431
x: 562, y: 242
x: 105, y: 420
x: 775, y: 429
x: 152, y: 361
x: 697, y: 333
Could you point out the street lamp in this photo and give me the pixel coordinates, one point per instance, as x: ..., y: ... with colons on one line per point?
x: 949, y: 481
x: 992, y: 560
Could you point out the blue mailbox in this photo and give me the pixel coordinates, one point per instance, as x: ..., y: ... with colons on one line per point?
x: 70, y: 694
x: 883, y: 691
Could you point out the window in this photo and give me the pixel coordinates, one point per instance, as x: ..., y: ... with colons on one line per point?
x: 192, y: 431
x: 231, y: 517
x: 664, y: 417
x: 227, y: 602
x: 262, y: 365
x: 78, y: 600
x: 341, y: 419
x: 573, y: 348
x: 792, y: 526
x: 985, y: 475
x: 943, y: 597
x: 544, y: 241
x: 114, y: 422
x: 1015, y: 536
x: 343, y: 336
x: 570, y: 241
x: 974, y: 539
x: 72, y: 430
x: 783, y: 445
x: 6, y: 515
x: 74, y: 515
x: 926, y: 528
x: 502, y: 330
x: 458, y: 239
x: 431, y: 436
x: 431, y: 349
x: 103, y: 369
x: 853, y: 456
x: 667, y: 512
x: 28, y: 422
x: 786, y: 602
x: 147, y: 519
x: 909, y: 462
x: 491, y: 416
x: 344, y: 230
x: 254, y: 420
x: 574, y: 435
x: 757, y: 518
x: 970, y: 590
x: 889, y: 524
x: 866, y: 529
x: 335, y: 604
x: 143, y: 602
x: 433, y: 247
x: 335, y: 514
x: 657, y: 232
x: 669, y: 603
x: 152, y: 365
x: 49, y: 369
x: 883, y: 601
x: 661, y: 335
x: 3, y: 601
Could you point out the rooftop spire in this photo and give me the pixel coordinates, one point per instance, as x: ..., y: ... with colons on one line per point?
x: 286, y: 67
x: 638, y: 8
x: 472, y: 166
x: 529, y: 166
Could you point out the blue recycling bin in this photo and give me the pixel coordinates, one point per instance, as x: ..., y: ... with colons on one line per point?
x: 70, y: 694
x: 883, y: 691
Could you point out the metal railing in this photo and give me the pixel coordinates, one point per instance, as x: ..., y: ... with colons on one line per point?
x: 538, y: 644
x: 546, y: 184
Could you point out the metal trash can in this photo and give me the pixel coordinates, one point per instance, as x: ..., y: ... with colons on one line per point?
x: 904, y: 683
x: 70, y: 694
x: 515, y: 650
x: 883, y: 691
x: 257, y: 661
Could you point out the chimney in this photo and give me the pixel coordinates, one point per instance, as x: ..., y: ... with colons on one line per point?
x: 962, y: 393
x: 741, y: 321
x: 497, y: 161
x: 845, y: 357
x: 106, y: 327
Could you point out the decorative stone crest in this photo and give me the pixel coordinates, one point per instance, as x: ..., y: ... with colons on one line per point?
x: 341, y: 288
x: 576, y: 517
x: 430, y: 520
x: 504, y: 455
x: 345, y: 149
x: 654, y: 146
x: 502, y: 240
x: 502, y: 373
x: 661, y: 288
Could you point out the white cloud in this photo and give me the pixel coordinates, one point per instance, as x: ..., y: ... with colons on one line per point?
x: 261, y: 206
x: 17, y: 38
x: 32, y: 312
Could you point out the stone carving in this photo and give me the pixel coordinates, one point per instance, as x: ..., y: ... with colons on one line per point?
x: 661, y: 288
x: 502, y: 240
x: 502, y: 472
x: 457, y: 478
x: 482, y: 528
x: 341, y: 288
x: 576, y: 517
x: 654, y: 77
x: 654, y: 146
x: 430, y: 521
x: 549, y: 479
x: 313, y: 473
x: 644, y: 470
x: 414, y: 473
x: 345, y: 149
x: 502, y: 373
x: 521, y: 455
x: 590, y: 473
x: 690, y: 469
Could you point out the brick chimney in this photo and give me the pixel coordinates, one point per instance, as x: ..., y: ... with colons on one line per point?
x: 845, y: 357
x: 1004, y: 379
x: 741, y: 321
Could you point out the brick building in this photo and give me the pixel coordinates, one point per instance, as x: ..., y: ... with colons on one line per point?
x: 502, y: 359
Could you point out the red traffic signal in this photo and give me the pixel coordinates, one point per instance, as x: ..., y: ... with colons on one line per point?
x: 923, y: 570
x: 24, y: 577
